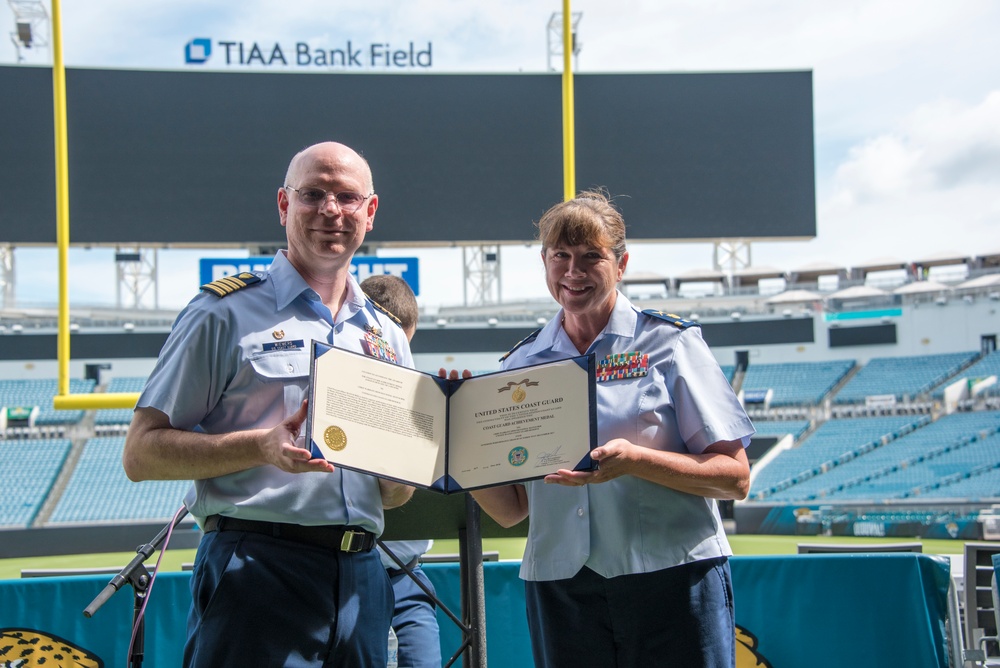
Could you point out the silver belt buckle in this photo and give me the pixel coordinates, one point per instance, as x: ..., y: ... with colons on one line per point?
x: 347, y: 542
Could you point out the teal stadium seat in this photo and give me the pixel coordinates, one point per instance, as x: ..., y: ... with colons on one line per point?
x: 902, y: 377
x: 120, y: 499
x: 30, y: 468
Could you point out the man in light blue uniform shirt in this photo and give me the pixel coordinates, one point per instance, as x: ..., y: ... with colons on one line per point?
x: 285, y: 574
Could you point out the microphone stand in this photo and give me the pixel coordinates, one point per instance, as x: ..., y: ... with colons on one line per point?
x: 135, y: 574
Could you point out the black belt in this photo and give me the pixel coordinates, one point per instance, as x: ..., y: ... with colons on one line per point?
x: 393, y: 572
x: 337, y: 538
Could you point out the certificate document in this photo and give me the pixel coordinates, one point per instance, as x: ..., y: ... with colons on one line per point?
x: 376, y: 417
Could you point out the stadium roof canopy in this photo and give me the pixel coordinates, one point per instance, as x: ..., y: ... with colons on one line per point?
x: 753, y: 275
x: 812, y: 271
x: 942, y: 259
x: 918, y: 287
x: 858, y: 292
x: 795, y: 297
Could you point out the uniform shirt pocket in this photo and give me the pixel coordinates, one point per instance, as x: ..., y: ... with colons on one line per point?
x: 284, y: 365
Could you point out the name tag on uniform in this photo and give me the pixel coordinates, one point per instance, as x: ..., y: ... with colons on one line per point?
x: 284, y: 345
x: 622, y: 365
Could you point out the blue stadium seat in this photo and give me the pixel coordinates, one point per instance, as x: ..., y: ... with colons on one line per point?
x: 30, y: 468
x: 120, y: 499
x: 796, y: 383
x: 901, y: 377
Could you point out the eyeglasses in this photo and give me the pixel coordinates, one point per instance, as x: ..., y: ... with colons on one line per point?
x: 348, y: 201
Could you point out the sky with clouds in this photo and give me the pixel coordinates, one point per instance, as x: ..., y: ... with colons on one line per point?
x: 906, y: 104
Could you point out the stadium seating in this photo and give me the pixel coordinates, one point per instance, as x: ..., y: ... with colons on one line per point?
x: 870, y: 459
x: 29, y: 468
x: 28, y: 393
x: 950, y: 448
x: 982, y: 483
x: 115, y: 421
x: 901, y: 377
x: 834, y: 443
x: 119, y: 500
x: 989, y: 365
x: 796, y: 383
x: 779, y: 428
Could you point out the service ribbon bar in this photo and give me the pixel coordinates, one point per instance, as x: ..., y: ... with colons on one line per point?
x: 622, y: 365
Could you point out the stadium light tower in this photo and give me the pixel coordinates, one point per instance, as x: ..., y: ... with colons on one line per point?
x: 7, y: 275
x: 555, y: 40
x: 481, y: 266
x: 31, y: 22
x: 729, y: 255
x: 136, y: 271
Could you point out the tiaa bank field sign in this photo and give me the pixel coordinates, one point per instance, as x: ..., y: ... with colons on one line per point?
x: 212, y: 269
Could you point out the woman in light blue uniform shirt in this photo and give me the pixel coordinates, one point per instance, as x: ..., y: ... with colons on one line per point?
x: 627, y: 565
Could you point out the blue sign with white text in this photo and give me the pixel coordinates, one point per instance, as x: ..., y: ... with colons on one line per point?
x: 212, y: 269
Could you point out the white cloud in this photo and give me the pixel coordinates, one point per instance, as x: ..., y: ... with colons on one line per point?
x: 943, y: 145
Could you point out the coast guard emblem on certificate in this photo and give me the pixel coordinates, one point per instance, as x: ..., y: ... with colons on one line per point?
x: 517, y: 456
x: 335, y: 438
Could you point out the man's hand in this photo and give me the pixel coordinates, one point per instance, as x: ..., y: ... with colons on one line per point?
x: 279, y: 446
x: 453, y: 374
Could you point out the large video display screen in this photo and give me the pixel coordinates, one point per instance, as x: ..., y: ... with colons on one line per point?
x: 196, y: 158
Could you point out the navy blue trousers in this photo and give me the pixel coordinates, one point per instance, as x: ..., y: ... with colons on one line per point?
x: 680, y: 617
x: 414, y: 619
x: 262, y: 601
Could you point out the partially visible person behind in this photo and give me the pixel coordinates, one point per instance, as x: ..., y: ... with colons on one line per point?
x: 285, y: 574
x: 414, y: 617
x: 627, y: 565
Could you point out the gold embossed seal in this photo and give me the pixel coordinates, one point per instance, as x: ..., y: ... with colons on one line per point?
x: 335, y: 438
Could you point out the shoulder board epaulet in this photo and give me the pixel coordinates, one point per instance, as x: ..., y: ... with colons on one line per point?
x: 528, y: 339
x: 392, y: 316
x: 672, y: 318
x: 227, y: 285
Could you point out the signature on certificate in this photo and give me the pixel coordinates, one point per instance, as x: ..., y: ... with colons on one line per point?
x: 550, y: 458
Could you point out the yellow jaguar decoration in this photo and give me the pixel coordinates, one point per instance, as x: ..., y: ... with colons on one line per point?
x: 24, y: 648
x: 746, y: 651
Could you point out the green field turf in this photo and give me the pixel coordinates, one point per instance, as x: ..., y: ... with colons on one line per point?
x: 508, y: 548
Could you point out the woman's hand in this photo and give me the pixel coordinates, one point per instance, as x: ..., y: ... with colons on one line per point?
x: 722, y: 471
x: 616, y: 458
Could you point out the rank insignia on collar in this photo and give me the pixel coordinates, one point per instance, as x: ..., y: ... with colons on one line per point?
x: 378, y: 347
x: 622, y: 365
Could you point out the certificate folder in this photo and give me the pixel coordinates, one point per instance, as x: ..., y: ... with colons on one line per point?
x: 450, y: 436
